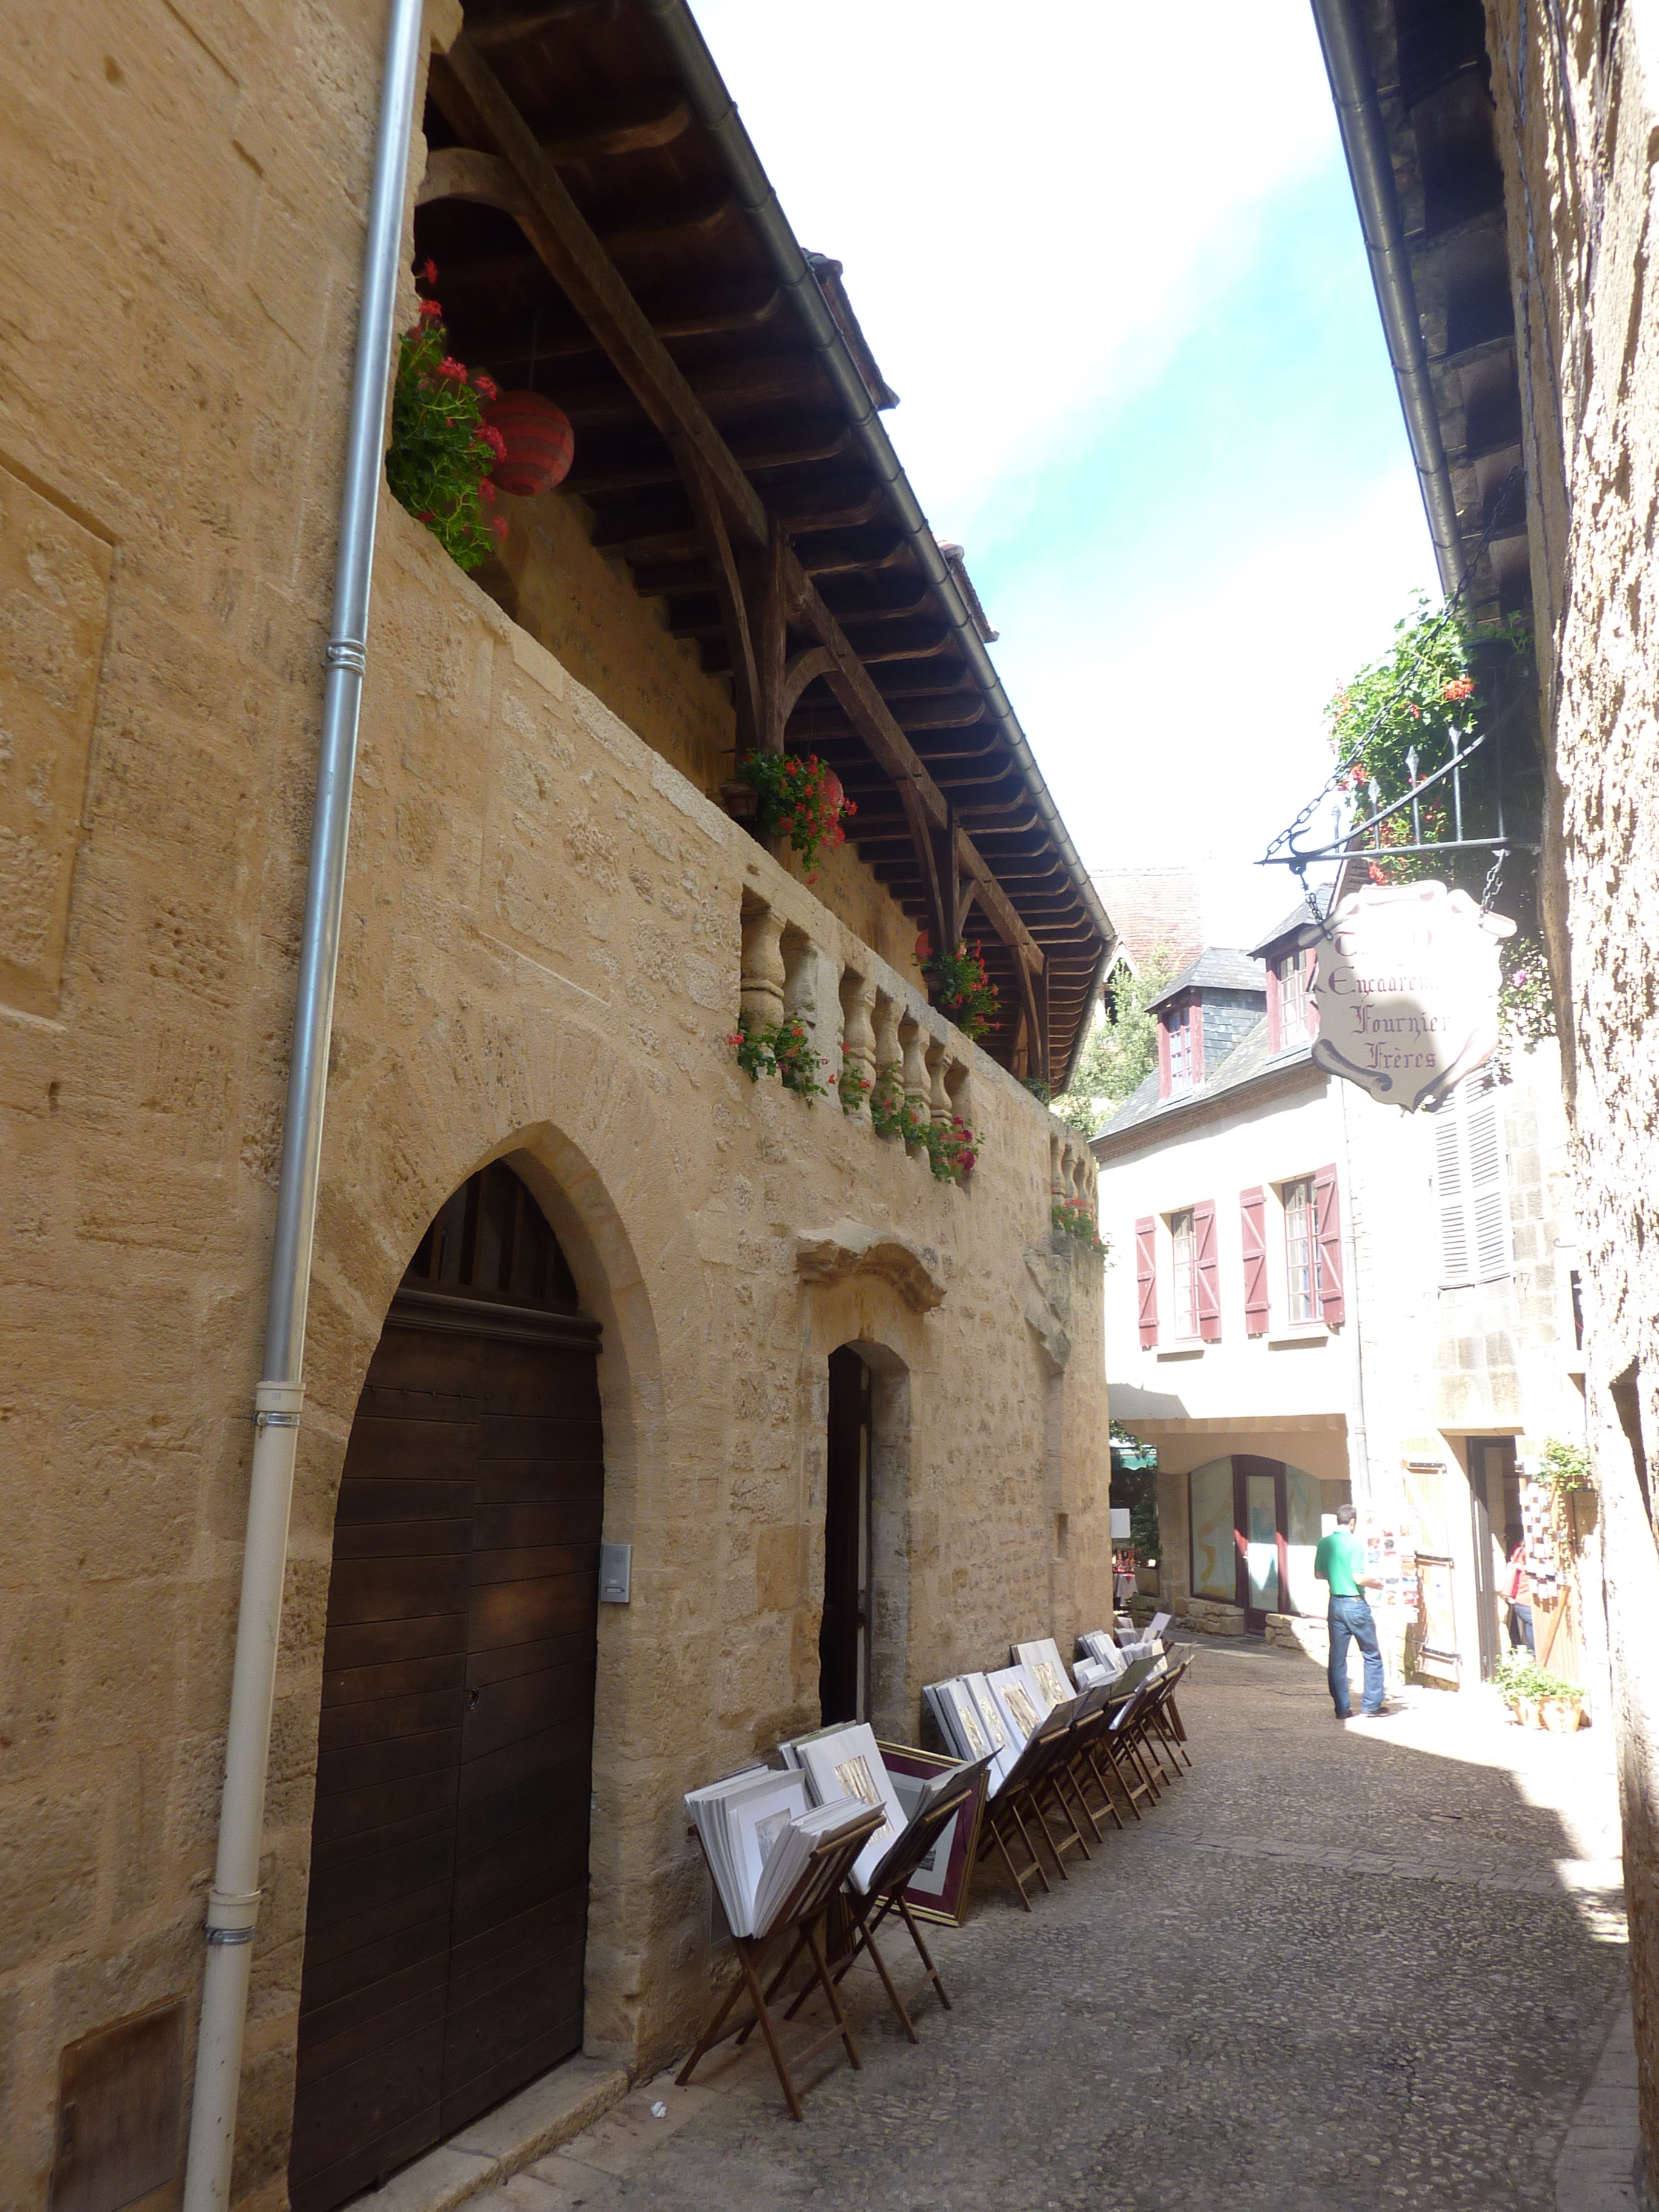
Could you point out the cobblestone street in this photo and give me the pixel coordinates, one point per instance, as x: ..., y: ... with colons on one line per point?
x: 1336, y: 1968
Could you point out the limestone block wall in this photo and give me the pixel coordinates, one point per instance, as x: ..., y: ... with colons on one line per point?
x: 1577, y: 102
x: 549, y: 932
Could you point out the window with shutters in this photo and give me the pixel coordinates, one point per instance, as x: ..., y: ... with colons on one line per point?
x: 1301, y: 1284
x: 1292, y: 999
x: 1179, y: 1026
x: 1183, y: 1244
x: 1472, y: 1187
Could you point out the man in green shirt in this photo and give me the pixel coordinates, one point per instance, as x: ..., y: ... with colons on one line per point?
x: 1339, y: 1562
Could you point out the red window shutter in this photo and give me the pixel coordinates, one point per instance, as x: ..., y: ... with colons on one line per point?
x: 1327, y: 1218
x: 1253, y: 1216
x: 1196, y: 1043
x: 1310, y: 1005
x: 1146, y: 1279
x: 1163, y: 1056
x: 1275, y: 1009
x: 1208, y: 1269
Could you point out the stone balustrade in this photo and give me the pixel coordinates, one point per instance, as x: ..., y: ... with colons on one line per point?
x: 859, y: 1013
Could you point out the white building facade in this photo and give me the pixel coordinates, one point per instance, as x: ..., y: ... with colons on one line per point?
x: 1317, y: 1297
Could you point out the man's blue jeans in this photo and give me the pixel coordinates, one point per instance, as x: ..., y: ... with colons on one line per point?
x: 1350, y: 1617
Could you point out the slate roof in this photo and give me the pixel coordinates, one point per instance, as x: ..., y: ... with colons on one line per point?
x: 1248, y: 1059
x: 1298, y: 918
x: 1220, y: 967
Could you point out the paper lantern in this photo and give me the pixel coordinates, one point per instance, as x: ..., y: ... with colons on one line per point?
x: 540, y: 443
x: 924, y: 949
x: 832, y: 790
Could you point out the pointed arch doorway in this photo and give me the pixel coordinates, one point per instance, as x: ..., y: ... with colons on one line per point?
x: 446, y: 1923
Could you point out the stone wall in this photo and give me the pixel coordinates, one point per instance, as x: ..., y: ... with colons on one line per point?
x: 547, y: 935
x: 1577, y: 104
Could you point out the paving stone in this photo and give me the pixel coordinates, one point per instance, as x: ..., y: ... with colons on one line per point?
x: 1272, y: 1995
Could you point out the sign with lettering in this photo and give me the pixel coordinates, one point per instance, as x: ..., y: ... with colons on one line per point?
x: 1406, y: 980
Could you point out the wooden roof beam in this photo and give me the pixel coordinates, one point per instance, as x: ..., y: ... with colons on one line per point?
x: 560, y: 233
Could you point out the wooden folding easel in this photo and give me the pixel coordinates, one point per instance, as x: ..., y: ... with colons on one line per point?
x: 1005, y: 1816
x: 885, y: 1895
x: 824, y: 1874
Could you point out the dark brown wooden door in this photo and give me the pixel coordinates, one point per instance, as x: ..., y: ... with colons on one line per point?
x: 842, y: 1638
x: 447, y: 1926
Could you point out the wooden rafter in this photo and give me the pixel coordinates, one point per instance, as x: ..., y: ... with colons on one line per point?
x: 467, y: 87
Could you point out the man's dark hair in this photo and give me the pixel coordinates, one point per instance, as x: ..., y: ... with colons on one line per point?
x: 1346, y: 1516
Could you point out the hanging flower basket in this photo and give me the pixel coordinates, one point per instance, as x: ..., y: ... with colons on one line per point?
x: 800, y: 799
x: 958, y: 985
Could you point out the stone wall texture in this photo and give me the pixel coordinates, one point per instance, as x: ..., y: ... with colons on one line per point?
x: 1577, y: 96
x: 545, y: 927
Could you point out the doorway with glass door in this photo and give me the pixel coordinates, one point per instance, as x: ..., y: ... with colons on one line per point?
x: 1255, y: 1523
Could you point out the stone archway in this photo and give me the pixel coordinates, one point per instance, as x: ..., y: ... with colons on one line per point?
x: 446, y: 1924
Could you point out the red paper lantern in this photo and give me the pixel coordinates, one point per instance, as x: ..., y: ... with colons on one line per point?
x: 832, y: 790
x: 924, y: 949
x: 540, y: 443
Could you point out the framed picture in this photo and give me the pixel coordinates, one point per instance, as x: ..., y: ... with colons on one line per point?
x: 938, y: 1890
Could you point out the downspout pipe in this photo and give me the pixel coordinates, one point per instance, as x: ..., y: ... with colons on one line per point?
x: 717, y: 111
x: 233, y: 1906
x: 1365, y: 148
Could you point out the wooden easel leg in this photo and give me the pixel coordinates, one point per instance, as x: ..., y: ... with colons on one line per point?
x: 1007, y: 1860
x: 1105, y: 1787
x: 867, y: 1938
x: 777, y: 1983
x: 933, y: 1975
x: 772, y: 2042
x: 712, y: 2036
x: 816, y: 1950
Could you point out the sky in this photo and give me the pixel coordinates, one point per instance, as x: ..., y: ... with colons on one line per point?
x: 1117, y: 279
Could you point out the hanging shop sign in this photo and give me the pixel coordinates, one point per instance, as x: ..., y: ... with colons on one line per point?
x: 1405, y: 979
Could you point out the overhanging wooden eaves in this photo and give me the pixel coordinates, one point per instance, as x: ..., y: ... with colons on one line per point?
x: 581, y: 222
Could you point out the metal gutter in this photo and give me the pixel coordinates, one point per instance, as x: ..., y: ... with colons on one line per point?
x: 717, y: 111
x: 1370, y: 169
x: 233, y: 1905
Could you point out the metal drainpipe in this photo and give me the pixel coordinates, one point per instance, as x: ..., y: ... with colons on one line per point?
x: 234, y: 1900
x: 718, y: 114
x: 1370, y: 169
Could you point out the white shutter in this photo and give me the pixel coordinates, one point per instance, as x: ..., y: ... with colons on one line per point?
x: 1449, y: 1195
x: 1488, y: 1186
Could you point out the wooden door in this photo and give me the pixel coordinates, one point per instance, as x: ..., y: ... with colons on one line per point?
x: 446, y: 1924
x: 843, y: 1640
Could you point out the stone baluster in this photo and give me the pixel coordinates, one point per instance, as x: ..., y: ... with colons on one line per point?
x: 762, y: 996
x: 938, y: 1099
x: 800, y: 982
x: 917, y: 1084
x: 858, y: 1000
x: 889, y: 1053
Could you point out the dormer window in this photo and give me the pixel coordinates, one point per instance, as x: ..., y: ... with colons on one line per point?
x: 1180, y: 1023
x: 1290, y: 969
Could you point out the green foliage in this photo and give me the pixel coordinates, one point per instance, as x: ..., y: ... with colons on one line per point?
x: 853, y: 1086
x: 1122, y: 1051
x: 951, y: 1146
x: 958, y: 985
x: 1518, y: 1674
x: 1566, y: 1467
x: 781, y: 1048
x: 1439, y: 676
x: 1075, y: 1218
x: 1526, y: 1004
x: 442, y: 450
